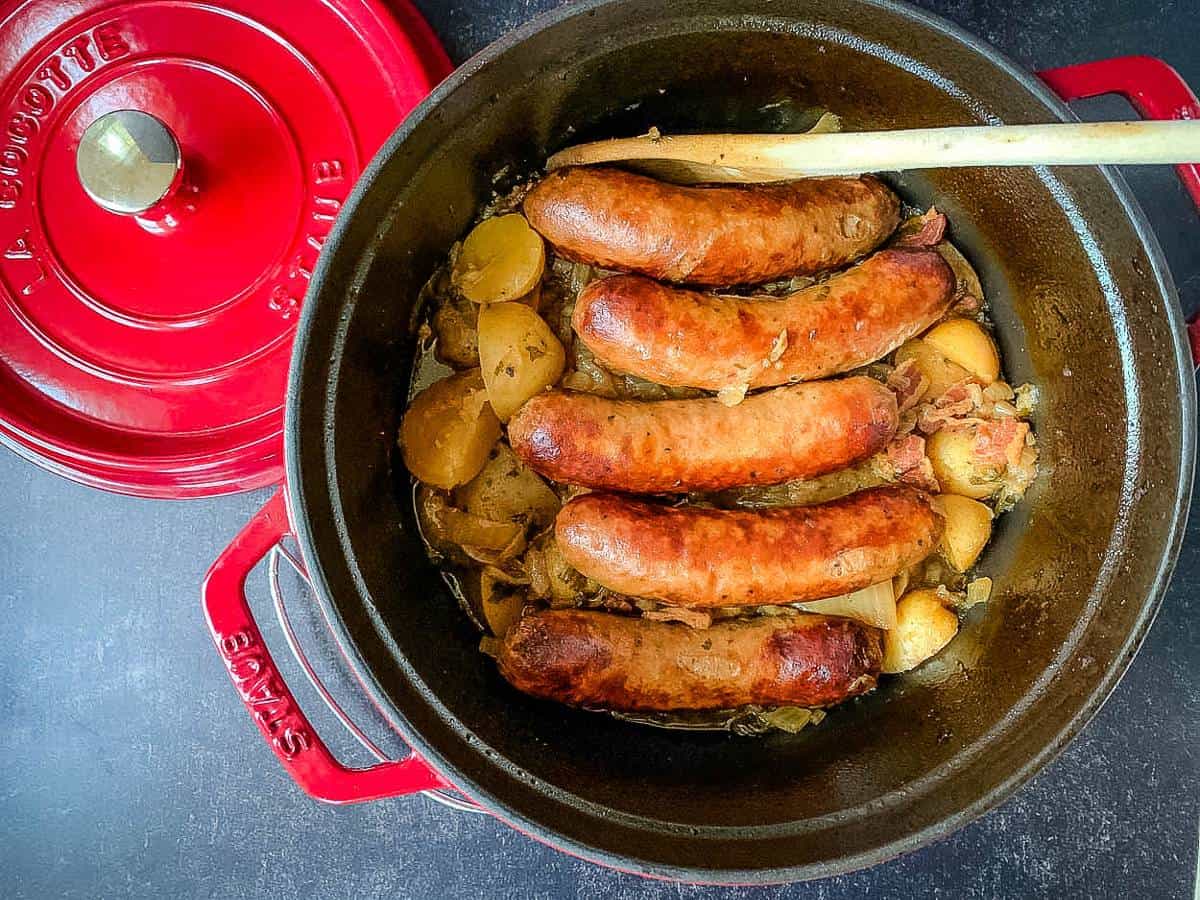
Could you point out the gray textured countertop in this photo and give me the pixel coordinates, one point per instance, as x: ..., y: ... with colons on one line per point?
x: 130, y: 769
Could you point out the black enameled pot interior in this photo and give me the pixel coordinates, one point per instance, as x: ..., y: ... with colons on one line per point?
x: 1084, y: 309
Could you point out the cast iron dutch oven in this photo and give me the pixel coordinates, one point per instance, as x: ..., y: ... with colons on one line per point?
x: 1085, y: 309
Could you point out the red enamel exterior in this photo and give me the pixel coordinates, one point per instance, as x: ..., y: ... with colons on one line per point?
x: 149, y: 355
x: 284, y: 726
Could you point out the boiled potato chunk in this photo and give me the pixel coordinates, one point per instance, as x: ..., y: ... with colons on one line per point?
x: 933, y: 365
x: 968, y: 529
x: 456, y: 330
x: 449, y: 430
x: 431, y: 507
x: 507, y: 490
x: 519, y: 355
x: 501, y: 259
x: 923, y: 627
x: 533, y: 299
x: 951, y: 452
x: 965, y: 343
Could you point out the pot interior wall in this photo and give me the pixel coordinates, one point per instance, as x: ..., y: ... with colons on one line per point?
x: 1080, y: 311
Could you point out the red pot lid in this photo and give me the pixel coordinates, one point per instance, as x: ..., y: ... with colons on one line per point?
x: 151, y: 270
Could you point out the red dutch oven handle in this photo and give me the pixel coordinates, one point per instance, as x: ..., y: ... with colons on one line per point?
x: 266, y: 695
x: 1156, y: 91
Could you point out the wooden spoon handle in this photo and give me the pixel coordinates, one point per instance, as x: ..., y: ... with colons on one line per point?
x: 800, y: 155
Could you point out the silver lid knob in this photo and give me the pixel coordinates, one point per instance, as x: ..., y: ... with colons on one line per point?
x: 128, y: 161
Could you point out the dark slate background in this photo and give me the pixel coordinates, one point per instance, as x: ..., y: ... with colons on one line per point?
x: 130, y: 769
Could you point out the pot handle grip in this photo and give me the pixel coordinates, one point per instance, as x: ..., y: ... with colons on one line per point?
x: 267, y: 697
x: 1153, y: 88
x: 1156, y: 91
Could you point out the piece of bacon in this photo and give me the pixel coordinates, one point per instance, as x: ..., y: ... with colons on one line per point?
x: 1000, y: 442
x: 922, y: 476
x: 905, y: 453
x: 931, y: 232
x: 956, y: 393
x: 907, y: 382
x: 967, y: 305
x: 957, y: 406
x: 908, y: 461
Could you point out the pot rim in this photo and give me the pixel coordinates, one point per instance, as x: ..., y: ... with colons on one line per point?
x: 889, y: 849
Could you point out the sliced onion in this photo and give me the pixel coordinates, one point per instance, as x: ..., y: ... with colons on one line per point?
x: 792, y: 719
x: 464, y: 529
x: 874, y: 605
x: 500, y: 604
x: 979, y: 590
x: 964, y: 272
x: 492, y: 556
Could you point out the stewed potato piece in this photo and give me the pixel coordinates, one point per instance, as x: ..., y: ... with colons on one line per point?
x: 431, y: 506
x: 923, y: 627
x: 965, y: 343
x: 501, y: 259
x: 533, y: 299
x: 507, y: 490
x: 956, y: 467
x: 974, y: 459
x: 933, y: 365
x: 449, y: 430
x: 968, y: 529
x: 456, y: 330
x: 519, y: 355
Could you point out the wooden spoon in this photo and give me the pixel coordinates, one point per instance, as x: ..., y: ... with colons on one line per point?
x: 778, y: 157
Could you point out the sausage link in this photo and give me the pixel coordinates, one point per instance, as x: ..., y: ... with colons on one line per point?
x: 800, y: 431
x: 601, y: 660
x: 700, y: 557
x: 716, y: 236
x: 686, y: 338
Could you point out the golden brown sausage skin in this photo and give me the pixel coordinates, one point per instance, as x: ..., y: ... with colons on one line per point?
x: 600, y: 660
x: 686, y: 338
x: 709, y: 235
x: 800, y: 431
x: 699, y: 557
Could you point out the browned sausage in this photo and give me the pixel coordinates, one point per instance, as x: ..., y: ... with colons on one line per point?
x: 700, y: 557
x: 716, y: 236
x: 800, y: 431
x: 686, y: 338
x: 615, y: 662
